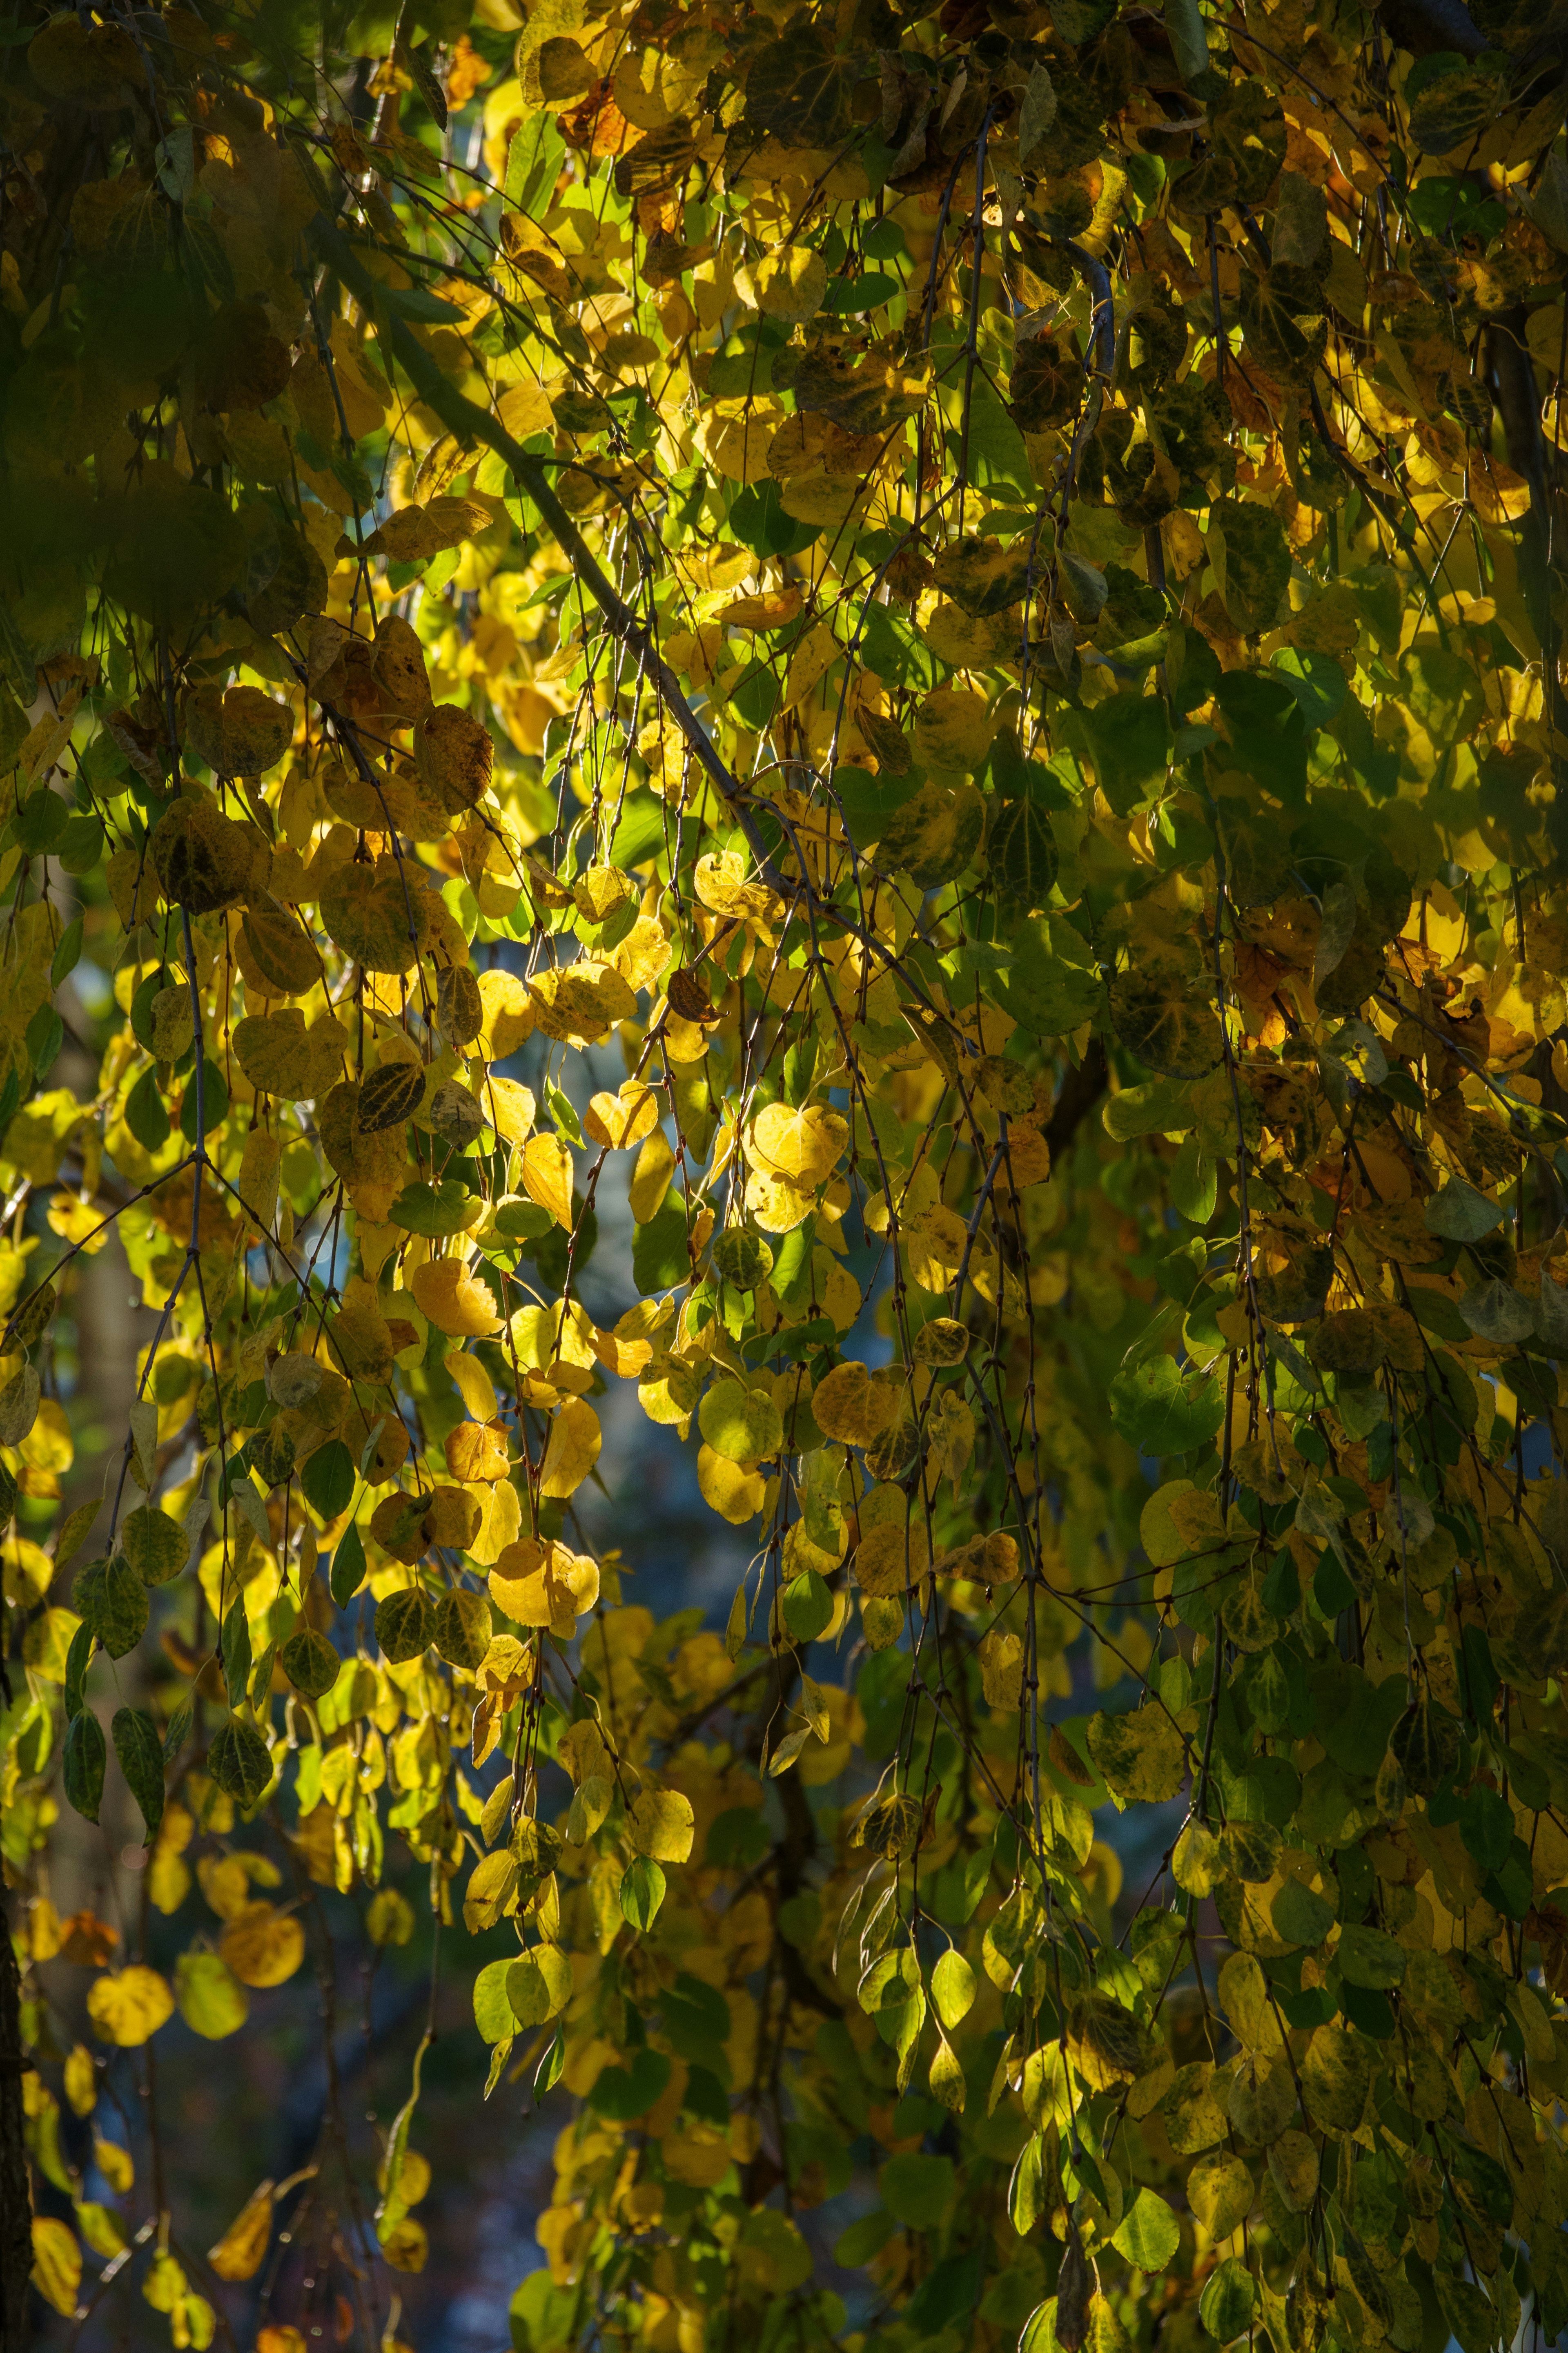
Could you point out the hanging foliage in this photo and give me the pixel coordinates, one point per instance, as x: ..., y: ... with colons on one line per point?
x: 912, y: 659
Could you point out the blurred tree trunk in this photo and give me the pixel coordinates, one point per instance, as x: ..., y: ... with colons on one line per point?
x: 15, y: 2205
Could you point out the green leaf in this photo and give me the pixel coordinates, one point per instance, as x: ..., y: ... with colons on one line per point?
x: 916, y: 2189
x: 1158, y: 1412
x: 1130, y: 742
x: 642, y: 1892
x: 177, y: 1731
x: 44, y: 1037
x: 235, y: 1650
x: 1193, y: 1184
x: 1251, y: 558
x: 310, y: 1661
x: 112, y: 1599
x: 1451, y: 108
x: 405, y: 1624
x: 1300, y: 1916
x: 239, y: 1761
x: 806, y: 1605
x: 864, y: 2239
x: 86, y: 1757
x: 1494, y: 1311
x: 743, y: 1425
x: 1189, y: 38
x: 1225, y: 2306
x: 492, y: 2012
x: 39, y: 821
x: 660, y: 1258
x: 1140, y: 1756
x: 347, y: 1567
x: 436, y: 1211
x: 1460, y: 1214
x: 799, y: 94
x: 534, y: 159
x: 1046, y: 996
x: 78, y: 1660
x: 328, y: 1478
x: 141, y: 1756
x: 1148, y: 2234
x: 68, y: 955
x: 1021, y: 853
x: 1167, y: 1018
x: 622, y: 2093
x: 212, y: 2000
x: 214, y: 1105
x: 1369, y: 1956
x: 145, y: 1114
x: 1157, y: 1107
x: 157, y: 1547
x: 547, y: 2074
x: 1424, y: 1744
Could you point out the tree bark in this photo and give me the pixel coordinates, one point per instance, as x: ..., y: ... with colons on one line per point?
x: 15, y: 2201
x: 1518, y: 398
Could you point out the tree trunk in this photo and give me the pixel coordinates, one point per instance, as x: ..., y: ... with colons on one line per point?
x: 16, y: 2203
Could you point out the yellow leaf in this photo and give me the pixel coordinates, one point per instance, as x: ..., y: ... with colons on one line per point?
x: 787, y: 283
x: 510, y: 1108
x: 547, y: 1177
x: 212, y: 2003
x: 407, y: 2244
x: 258, y: 1166
x: 852, y: 1406
x: 642, y: 955
x: 128, y: 2008
x: 650, y: 1177
x: 115, y: 2164
x: 239, y: 2254
x: 946, y: 2078
x: 581, y: 1002
x: 1001, y: 1660
x: 203, y: 860
x: 1220, y: 2193
x: 474, y: 1385
x: 697, y: 2155
x: 281, y: 1057
x: 803, y: 1144
x: 508, y: 1013
x: 622, y: 1120
x: 524, y: 408
x: 363, y: 1335
x: 262, y: 1945
x: 1196, y: 1863
x: 377, y: 914
x: 572, y: 1450
x: 57, y: 2263
x: 455, y: 1301
x: 953, y: 731
x: 743, y: 1424
x: 736, y: 1494
x: 777, y: 1205
x: 80, y: 2076
x: 1140, y: 1756
x: 240, y: 733
x: 934, y: 1241
x: 1293, y: 2162
x: 661, y: 1825
x: 893, y: 1552
x: 454, y: 756
x: 543, y: 1584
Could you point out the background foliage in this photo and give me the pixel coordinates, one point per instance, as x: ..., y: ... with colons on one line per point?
x: 908, y: 661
